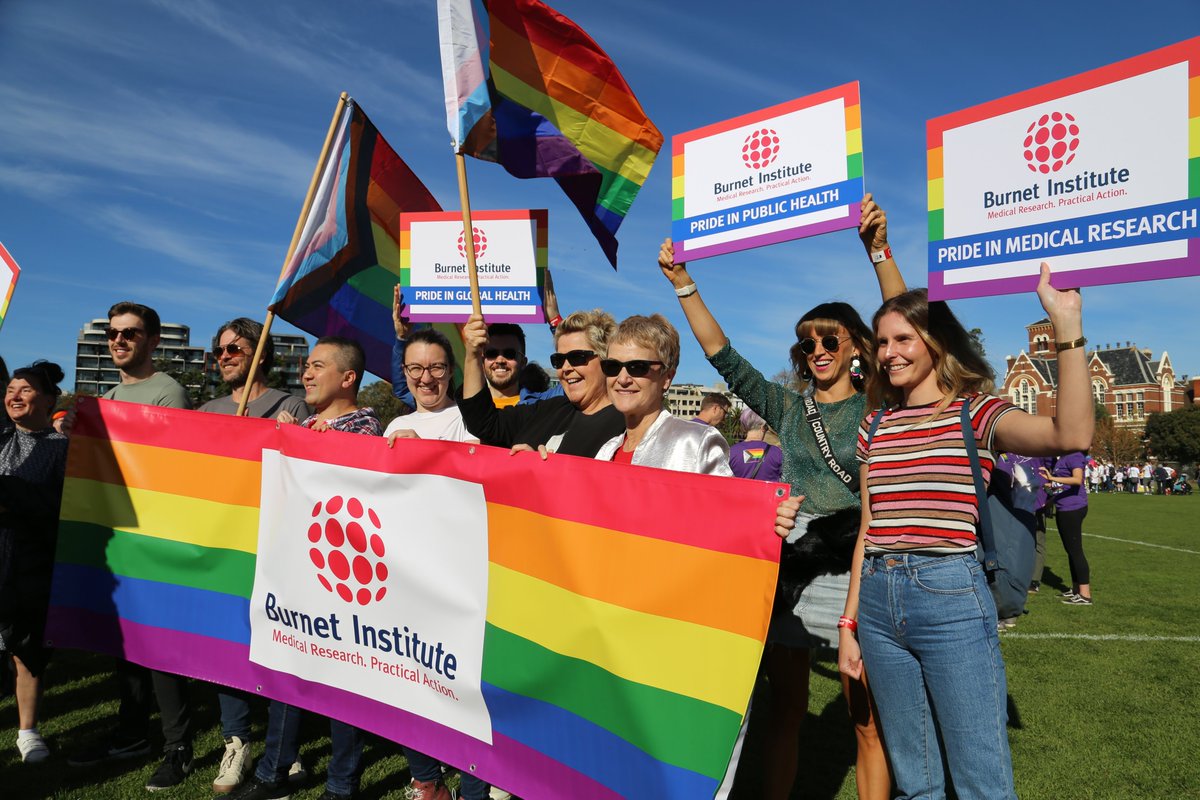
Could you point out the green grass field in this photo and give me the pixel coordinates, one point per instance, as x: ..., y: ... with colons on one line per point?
x: 1106, y: 699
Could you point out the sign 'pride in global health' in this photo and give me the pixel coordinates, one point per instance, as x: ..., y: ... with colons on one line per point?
x: 1097, y: 174
x: 782, y: 173
x: 510, y: 255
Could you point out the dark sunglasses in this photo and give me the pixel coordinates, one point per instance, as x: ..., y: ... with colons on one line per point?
x: 576, y: 358
x: 831, y: 343
x: 511, y: 353
x: 230, y: 349
x: 638, y: 368
x: 128, y: 333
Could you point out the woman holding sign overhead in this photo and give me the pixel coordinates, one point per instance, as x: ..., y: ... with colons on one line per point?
x: 817, y: 427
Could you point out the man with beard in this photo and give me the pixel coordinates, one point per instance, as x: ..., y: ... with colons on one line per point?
x: 233, y: 349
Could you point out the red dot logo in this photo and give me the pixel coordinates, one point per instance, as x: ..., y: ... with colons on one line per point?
x: 760, y: 148
x: 479, y: 238
x: 347, y: 550
x: 1051, y: 142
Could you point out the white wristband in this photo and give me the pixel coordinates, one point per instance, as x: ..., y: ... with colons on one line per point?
x: 880, y: 256
x: 686, y: 291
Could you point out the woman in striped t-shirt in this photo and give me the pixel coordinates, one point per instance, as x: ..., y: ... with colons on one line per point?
x: 919, y: 613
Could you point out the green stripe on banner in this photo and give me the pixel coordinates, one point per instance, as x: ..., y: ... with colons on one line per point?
x: 854, y: 166
x: 616, y: 192
x: 677, y: 208
x: 673, y: 728
x: 1194, y: 177
x: 150, y: 558
x: 935, y: 225
x: 376, y: 283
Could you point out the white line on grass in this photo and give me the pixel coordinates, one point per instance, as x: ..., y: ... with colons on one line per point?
x: 1133, y: 541
x: 1101, y: 637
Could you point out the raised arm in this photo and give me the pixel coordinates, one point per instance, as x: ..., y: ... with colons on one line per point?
x: 872, y: 229
x: 1074, y: 420
x: 704, y: 325
x: 475, y: 338
x: 400, y: 323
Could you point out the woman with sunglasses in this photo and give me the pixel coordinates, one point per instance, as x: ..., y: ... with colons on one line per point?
x: 919, y: 613
x: 831, y: 358
x: 33, y: 458
x: 577, y: 422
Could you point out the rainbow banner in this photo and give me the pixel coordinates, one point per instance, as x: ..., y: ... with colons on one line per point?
x: 1098, y: 174
x: 9, y: 272
x: 340, y: 277
x: 626, y: 607
x: 527, y: 87
x: 781, y: 173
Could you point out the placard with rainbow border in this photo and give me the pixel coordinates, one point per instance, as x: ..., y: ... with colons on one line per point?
x: 1097, y: 174
x: 510, y: 256
x: 782, y: 173
x: 9, y: 272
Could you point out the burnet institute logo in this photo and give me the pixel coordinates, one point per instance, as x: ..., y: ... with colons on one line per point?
x: 480, y: 240
x: 348, y: 550
x: 760, y: 148
x: 1050, y: 142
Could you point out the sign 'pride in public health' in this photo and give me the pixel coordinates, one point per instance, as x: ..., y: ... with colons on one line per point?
x: 510, y: 255
x: 786, y: 172
x: 1098, y: 174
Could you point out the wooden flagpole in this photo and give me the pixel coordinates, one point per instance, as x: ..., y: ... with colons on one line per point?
x: 308, y: 199
x: 468, y: 232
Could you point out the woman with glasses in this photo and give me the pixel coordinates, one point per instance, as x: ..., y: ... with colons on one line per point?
x: 33, y: 459
x: 817, y: 423
x: 576, y: 423
x: 428, y: 370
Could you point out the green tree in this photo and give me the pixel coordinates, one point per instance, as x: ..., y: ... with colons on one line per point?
x: 193, y: 381
x: 1176, y: 434
x: 977, y: 341
x: 379, y: 397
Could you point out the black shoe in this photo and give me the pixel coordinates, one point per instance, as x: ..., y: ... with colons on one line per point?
x: 175, y: 766
x: 254, y: 789
x: 328, y: 795
x: 117, y: 749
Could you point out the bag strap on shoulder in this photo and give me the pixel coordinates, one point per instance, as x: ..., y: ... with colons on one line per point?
x: 985, y: 513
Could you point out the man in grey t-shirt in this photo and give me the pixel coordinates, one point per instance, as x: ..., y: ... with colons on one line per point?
x: 233, y: 348
x: 133, y: 333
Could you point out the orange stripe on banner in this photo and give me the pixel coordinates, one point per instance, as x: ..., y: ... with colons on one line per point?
x: 853, y: 117
x: 627, y: 571
x: 232, y: 481
x: 935, y: 163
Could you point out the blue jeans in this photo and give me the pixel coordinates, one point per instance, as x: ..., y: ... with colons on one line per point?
x: 283, y: 745
x: 425, y: 768
x: 235, y: 713
x: 927, y: 629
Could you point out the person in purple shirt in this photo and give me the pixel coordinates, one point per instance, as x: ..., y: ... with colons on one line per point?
x: 1070, y: 501
x: 754, y: 457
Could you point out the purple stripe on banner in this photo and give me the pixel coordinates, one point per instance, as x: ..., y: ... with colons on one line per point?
x: 684, y: 253
x: 506, y: 762
x: 1097, y: 276
x: 327, y: 320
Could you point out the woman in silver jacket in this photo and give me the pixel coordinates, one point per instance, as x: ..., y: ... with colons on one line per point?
x: 642, y: 357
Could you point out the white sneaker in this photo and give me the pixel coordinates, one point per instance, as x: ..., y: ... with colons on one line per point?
x: 235, y: 766
x: 33, y: 748
x: 296, y: 772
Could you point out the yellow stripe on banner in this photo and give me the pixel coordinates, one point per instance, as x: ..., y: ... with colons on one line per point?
x: 677, y: 187
x: 935, y: 194
x: 161, y: 515
x: 386, y: 251
x: 1194, y: 137
x: 853, y: 141
x: 600, y: 143
x: 680, y: 657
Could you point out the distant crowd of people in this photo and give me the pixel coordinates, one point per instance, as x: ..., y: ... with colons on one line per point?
x: 879, y: 532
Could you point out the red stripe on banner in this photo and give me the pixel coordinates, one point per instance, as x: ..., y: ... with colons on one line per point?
x: 174, y: 428
x: 848, y: 92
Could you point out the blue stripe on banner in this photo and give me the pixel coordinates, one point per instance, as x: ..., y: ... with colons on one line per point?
x: 590, y: 749
x: 1166, y: 222
x: 161, y: 605
x: 798, y: 204
x: 488, y: 295
x: 364, y: 313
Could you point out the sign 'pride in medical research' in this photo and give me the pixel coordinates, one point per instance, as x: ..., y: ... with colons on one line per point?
x: 1097, y: 174
x: 786, y: 172
x: 510, y: 256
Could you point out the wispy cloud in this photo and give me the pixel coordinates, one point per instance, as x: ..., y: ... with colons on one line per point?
x: 40, y: 183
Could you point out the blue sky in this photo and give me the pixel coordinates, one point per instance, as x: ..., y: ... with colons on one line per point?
x: 159, y: 150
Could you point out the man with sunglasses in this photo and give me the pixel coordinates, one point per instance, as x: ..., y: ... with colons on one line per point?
x: 133, y: 334
x: 504, y: 363
x: 233, y: 350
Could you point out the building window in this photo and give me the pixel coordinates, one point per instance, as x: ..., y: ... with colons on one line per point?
x: 1098, y: 391
x: 1024, y: 397
x: 1166, y: 391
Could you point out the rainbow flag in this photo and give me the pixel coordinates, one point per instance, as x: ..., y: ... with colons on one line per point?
x: 626, y: 607
x: 339, y: 280
x: 527, y: 87
x: 9, y: 272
